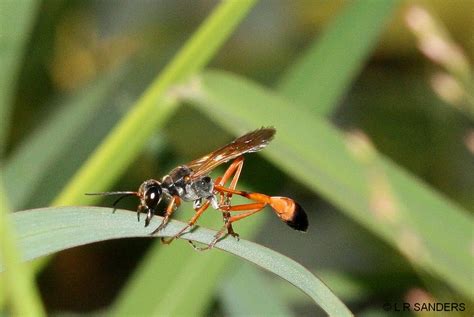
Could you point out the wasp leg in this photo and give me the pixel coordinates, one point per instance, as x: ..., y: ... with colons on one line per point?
x: 247, y: 209
x: 149, y: 215
x: 191, y: 223
x: 139, y: 210
x: 235, y: 169
x: 226, y: 215
x: 289, y: 211
x: 172, y: 206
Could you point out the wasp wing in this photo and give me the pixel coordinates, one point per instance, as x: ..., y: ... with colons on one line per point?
x: 251, y: 142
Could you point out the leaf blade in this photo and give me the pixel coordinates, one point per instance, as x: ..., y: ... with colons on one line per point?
x: 48, y: 230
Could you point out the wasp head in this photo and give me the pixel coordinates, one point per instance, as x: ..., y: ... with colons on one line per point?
x: 150, y: 193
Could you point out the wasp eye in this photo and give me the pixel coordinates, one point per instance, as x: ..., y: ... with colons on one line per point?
x: 153, y: 196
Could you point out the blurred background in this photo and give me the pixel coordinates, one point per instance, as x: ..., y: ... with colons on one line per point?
x: 415, y: 108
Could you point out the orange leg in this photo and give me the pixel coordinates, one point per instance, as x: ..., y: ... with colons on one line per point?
x: 249, y: 209
x: 285, y: 208
x: 253, y: 196
x: 172, y: 205
x: 191, y: 222
x: 234, y: 169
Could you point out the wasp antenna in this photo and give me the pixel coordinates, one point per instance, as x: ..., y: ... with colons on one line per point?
x: 113, y: 193
x: 123, y: 193
x: 122, y: 197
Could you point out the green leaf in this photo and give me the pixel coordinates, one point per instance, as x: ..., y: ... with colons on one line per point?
x: 16, y: 19
x: 321, y: 76
x: 19, y: 280
x: 48, y: 230
x: 348, y: 172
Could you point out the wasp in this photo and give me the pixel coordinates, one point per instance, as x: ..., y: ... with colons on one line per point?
x: 191, y: 182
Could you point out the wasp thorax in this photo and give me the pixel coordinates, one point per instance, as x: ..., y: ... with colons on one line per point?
x: 201, y: 188
x: 150, y: 193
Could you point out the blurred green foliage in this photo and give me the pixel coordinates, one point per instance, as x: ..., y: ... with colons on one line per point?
x: 72, y: 70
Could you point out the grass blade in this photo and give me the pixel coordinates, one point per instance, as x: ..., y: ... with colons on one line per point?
x: 45, y: 231
x: 349, y: 173
x: 319, y: 79
x: 16, y: 19
x: 19, y: 282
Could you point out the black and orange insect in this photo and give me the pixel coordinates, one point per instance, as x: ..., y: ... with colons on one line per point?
x: 191, y: 182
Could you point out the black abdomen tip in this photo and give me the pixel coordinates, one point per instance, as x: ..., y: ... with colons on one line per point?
x: 299, y: 221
